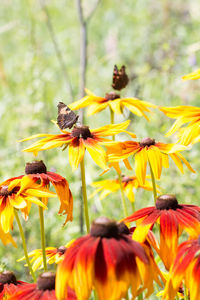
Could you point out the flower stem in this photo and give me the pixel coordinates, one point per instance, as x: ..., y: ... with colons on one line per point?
x: 140, y: 297
x: 123, y: 196
x: 24, y: 244
x: 153, y: 183
x: 42, y: 232
x: 185, y: 292
x: 84, y: 192
x: 112, y: 121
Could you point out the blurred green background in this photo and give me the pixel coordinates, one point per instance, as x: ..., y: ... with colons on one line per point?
x: 158, y: 41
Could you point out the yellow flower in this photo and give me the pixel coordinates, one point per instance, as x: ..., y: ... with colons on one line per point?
x: 106, y: 187
x: 148, y: 150
x: 13, y: 195
x: 114, y: 102
x: 184, y: 115
x: 79, y: 139
x: 53, y: 255
x: 192, y: 76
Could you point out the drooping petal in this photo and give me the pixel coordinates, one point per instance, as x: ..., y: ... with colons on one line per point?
x: 141, y: 165
x: 97, y: 152
x: 76, y: 153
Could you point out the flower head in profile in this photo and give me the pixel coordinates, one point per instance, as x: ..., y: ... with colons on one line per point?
x: 187, y: 116
x: 114, y: 102
x: 44, y: 289
x: 80, y: 138
x: 148, y: 151
x: 129, y: 183
x: 172, y: 218
x: 186, y: 267
x: 14, y: 196
x: 36, y: 171
x: 105, y: 260
x: 9, y: 284
x: 192, y: 76
x: 53, y: 255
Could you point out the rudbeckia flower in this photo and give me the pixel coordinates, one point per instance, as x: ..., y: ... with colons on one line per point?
x: 53, y: 255
x: 44, y: 289
x: 79, y: 139
x: 173, y: 218
x: 129, y: 183
x: 105, y: 260
x: 186, y: 267
x: 189, y: 115
x: 13, y: 196
x: 148, y: 150
x: 36, y: 171
x: 192, y: 76
x: 114, y: 102
x: 9, y: 284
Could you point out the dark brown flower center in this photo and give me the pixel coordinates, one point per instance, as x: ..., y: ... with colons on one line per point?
x: 111, y: 96
x: 35, y: 167
x: 81, y: 132
x: 147, y: 142
x: 167, y: 202
x: 104, y: 227
x: 46, y: 281
x: 4, y: 191
x: 122, y: 228
x: 120, y: 78
x: 8, y: 277
x: 126, y: 178
x: 61, y: 249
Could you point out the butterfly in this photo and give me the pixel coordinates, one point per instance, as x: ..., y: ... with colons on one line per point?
x: 66, y: 117
x: 120, y: 78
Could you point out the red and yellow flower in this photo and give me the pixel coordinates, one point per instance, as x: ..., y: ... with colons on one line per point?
x: 129, y: 183
x: 173, y: 218
x: 114, y: 102
x: 44, y: 289
x: 189, y: 115
x: 36, y: 171
x: 79, y: 139
x: 192, y: 76
x: 148, y: 150
x: 9, y: 284
x: 14, y: 196
x: 105, y: 260
x: 186, y: 267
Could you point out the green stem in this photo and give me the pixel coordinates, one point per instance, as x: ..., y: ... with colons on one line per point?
x: 153, y: 183
x: 42, y: 233
x: 112, y: 121
x: 185, y: 292
x: 140, y: 297
x: 123, y: 196
x: 24, y: 244
x: 127, y: 297
x: 133, y: 206
x: 84, y: 192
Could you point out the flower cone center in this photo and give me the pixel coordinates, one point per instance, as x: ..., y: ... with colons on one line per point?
x: 123, y: 229
x: 4, y: 191
x: 104, y: 227
x: 35, y: 167
x: 167, y: 202
x: 147, y: 142
x: 111, y: 96
x: 126, y: 179
x: 81, y: 132
x: 46, y: 281
x: 61, y: 249
x: 8, y: 277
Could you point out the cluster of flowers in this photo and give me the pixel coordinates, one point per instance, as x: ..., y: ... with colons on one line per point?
x: 114, y: 260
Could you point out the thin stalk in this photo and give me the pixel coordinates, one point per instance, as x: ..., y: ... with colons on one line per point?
x: 123, y: 196
x: 185, y: 292
x: 140, y: 297
x: 42, y: 233
x: 127, y: 297
x: 84, y: 192
x: 153, y: 183
x: 112, y: 117
x: 24, y: 244
x: 133, y: 206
